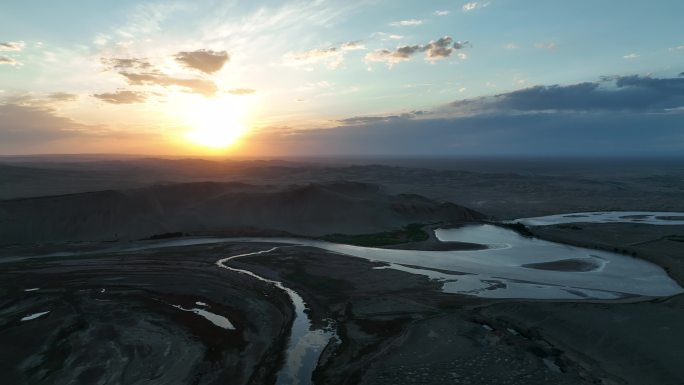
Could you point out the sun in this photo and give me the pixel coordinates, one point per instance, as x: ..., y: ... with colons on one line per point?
x: 216, y: 133
x: 215, y: 123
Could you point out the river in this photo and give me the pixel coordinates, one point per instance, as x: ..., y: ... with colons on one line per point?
x: 512, y: 266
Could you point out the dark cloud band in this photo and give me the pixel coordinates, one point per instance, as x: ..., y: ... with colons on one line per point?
x: 623, y: 93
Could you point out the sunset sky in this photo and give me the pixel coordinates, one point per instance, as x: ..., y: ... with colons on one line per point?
x: 271, y: 78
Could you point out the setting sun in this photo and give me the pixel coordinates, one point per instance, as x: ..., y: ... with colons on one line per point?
x: 216, y: 134
x: 214, y: 123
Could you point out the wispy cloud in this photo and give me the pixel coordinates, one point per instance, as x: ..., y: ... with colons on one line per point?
x: 546, y: 45
x: 332, y: 56
x: 387, y: 36
x: 631, y: 56
x: 441, y: 13
x: 241, y: 91
x: 406, y: 23
x: 12, y: 46
x: 126, y: 63
x: 353, y: 45
x: 269, y: 31
x: 6, y: 60
x: 148, y: 18
x: 43, y: 101
x: 467, y: 7
x: 323, y: 84
x: 194, y: 85
x: 122, y: 97
x: 62, y: 97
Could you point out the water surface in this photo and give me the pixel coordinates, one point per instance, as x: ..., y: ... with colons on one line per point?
x: 660, y: 218
x: 305, y: 343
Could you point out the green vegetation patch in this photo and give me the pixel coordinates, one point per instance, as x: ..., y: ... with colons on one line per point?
x: 410, y: 233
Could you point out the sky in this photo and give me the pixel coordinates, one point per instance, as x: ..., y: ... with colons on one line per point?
x: 327, y: 77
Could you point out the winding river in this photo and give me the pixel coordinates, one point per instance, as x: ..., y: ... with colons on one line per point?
x: 511, y: 266
x: 305, y: 344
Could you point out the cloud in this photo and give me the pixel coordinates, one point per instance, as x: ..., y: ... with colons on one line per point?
x: 631, y: 56
x: 406, y: 23
x: 101, y: 39
x: 441, y: 13
x: 241, y: 91
x: 548, y: 45
x: 195, y: 85
x: 62, y: 97
x: 678, y: 48
x: 623, y: 93
x: 359, y: 120
x: 127, y: 64
x: 9, y: 61
x: 140, y: 72
x: 317, y: 53
x: 206, y: 61
x: 434, y: 50
x: 12, y: 46
x: 122, y: 97
x: 443, y: 48
x: 467, y: 7
x: 511, y: 46
x: 24, y: 125
x: 615, y: 116
x: 353, y: 45
x: 392, y: 57
x: 41, y: 101
x: 40, y: 129
x: 567, y: 134
x: 333, y: 56
x: 323, y: 84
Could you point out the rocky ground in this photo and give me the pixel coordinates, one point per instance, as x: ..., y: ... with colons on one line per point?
x: 115, y: 318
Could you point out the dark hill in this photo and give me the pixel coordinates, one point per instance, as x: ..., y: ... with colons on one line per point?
x: 313, y: 209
